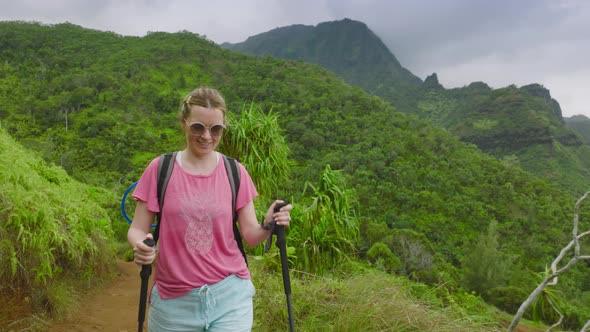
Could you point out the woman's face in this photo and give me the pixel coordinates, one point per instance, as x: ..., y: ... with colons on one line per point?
x: 205, y: 141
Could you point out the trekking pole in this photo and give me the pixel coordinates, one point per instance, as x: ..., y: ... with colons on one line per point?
x: 146, y: 271
x: 281, y: 243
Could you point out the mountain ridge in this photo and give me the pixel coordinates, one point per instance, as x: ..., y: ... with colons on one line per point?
x: 522, y: 122
x: 347, y: 47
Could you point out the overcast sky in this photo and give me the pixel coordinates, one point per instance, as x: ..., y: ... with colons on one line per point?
x: 499, y: 42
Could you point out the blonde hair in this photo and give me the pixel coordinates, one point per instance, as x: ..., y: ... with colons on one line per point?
x: 204, y: 97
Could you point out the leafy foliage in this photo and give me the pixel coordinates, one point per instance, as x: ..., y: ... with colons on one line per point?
x: 581, y: 125
x: 485, y: 266
x: 523, y: 122
x: 257, y: 142
x: 51, y: 226
x: 328, y: 230
x: 101, y: 106
x: 382, y: 257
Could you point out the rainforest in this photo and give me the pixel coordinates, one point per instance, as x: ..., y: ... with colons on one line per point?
x: 401, y: 222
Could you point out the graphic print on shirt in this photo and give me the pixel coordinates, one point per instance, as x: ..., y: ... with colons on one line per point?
x: 198, y: 211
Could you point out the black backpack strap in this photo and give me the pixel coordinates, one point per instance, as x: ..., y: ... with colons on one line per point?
x: 233, y: 174
x: 165, y: 166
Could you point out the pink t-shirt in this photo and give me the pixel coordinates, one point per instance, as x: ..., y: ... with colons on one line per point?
x: 196, y: 245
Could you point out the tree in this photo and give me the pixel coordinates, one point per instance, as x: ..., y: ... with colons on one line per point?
x: 381, y: 257
x: 485, y: 266
x: 71, y: 101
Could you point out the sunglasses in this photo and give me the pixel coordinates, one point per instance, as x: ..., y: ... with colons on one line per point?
x: 198, y: 129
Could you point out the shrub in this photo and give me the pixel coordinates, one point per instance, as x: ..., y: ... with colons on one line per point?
x: 381, y: 256
x: 506, y: 298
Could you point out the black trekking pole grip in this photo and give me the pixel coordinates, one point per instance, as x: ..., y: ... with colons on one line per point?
x: 146, y: 271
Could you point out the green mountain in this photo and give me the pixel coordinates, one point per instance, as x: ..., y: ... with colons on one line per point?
x: 101, y: 105
x: 348, y: 48
x: 523, y: 125
x: 581, y: 125
x: 520, y: 125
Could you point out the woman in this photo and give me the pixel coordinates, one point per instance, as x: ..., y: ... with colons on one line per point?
x: 201, y: 280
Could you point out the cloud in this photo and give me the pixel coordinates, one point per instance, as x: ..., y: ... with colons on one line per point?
x: 499, y: 42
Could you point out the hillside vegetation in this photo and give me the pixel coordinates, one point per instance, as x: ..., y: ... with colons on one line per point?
x: 368, y: 182
x: 55, y: 233
x: 581, y: 125
x: 523, y: 125
x: 348, y: 48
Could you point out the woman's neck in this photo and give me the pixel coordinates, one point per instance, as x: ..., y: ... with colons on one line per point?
x: 199, y: 164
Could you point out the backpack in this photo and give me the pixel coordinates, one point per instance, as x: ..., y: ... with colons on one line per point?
x: 233, y: 174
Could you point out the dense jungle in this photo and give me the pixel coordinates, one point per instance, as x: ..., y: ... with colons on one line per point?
x: 440, y: 213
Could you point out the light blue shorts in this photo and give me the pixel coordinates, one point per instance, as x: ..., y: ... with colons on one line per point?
x: 224, y: 306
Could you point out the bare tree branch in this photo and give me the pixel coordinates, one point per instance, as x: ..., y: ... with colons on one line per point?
x: 556, y: 310
x: 551, y: 279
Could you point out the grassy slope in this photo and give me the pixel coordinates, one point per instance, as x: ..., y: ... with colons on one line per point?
x: 55, y: 234
x: 42, y: 202
x: 355, y: 298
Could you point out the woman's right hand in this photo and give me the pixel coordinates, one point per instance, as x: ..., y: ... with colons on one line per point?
x: 144, y: 254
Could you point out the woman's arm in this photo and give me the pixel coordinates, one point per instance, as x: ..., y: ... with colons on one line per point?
x: 252, y: 231
x: 139, y: 231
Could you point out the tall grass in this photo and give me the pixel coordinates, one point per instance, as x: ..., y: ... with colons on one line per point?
x: 326, y: 231
x: 367, y: 300
x: 255, y: 139
x: 50, y: 227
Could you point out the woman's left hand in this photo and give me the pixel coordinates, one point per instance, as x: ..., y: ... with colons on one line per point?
x: 283, y: 217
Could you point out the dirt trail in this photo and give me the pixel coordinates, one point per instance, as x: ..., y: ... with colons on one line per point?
x: 112, y: 309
